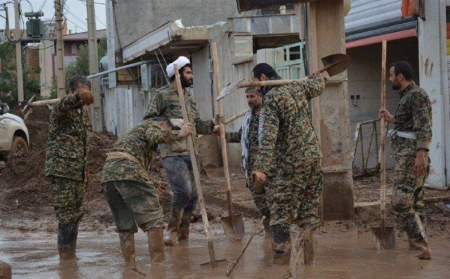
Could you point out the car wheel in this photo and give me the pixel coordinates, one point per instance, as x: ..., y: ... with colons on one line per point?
x: 18, y: 147
x: 17, y: 159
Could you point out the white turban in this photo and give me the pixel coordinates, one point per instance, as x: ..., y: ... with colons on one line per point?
x: 181, y: 62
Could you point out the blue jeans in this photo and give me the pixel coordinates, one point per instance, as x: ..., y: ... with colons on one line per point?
x: 181, y: 180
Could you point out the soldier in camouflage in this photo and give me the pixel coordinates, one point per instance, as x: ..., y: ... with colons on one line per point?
x: 176, y: 159
x: 66, y: 161
x: 289, y: 159
x: 131, y: 194
x: 248, y: 137
x: 410, y: 141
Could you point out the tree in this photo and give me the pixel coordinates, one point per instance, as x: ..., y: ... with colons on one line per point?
x: 80, y: 67
x: 8, y: 77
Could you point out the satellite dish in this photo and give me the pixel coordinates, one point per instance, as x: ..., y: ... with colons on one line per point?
x: 104, y: 63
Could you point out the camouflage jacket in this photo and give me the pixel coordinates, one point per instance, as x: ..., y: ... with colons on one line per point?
x: 140, y: 142
x: 67, y: 146
x: 414, y: 115
x: 287, y: 136
x: 166, y: 103
x: 252, y: 141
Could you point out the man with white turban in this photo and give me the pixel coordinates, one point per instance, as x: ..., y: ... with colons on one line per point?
x: 175, y: 156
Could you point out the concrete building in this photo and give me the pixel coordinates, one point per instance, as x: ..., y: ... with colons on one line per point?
x: 249, y: 38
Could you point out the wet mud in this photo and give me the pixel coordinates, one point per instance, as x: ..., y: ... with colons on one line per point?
x: 344, y: 251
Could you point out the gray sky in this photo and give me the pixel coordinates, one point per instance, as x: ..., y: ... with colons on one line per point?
x: 74, y: 11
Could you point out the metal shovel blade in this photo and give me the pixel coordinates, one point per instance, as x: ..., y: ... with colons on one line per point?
x: 233, y: 227
x: 229, y: 89
x: 384, y: 238
x: 336, y: 63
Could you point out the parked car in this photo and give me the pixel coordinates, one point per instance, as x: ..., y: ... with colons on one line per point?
x: 14, y: 137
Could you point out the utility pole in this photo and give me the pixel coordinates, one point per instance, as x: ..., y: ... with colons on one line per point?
x: 17, y: 38
x: 97, y: 120
x: 59, y: 51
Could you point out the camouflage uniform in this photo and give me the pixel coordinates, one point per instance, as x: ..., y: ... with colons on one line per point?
x: 290, y: 155
x: 176, y: 160
x: 131, y: 194
x: 413, y: 115
x: 66, y: 161
x: 259, y: 195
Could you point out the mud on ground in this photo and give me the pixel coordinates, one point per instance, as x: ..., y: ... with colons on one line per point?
x: 25, y: 201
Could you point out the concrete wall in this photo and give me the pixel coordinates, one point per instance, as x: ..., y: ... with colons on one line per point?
x: 364, y: 79
x: 136, y: 18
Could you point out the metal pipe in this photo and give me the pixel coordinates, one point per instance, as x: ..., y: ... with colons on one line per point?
x: 118, y: 69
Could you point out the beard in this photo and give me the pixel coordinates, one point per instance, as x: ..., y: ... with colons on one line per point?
x: 185, y: 82
x: 395, y: 86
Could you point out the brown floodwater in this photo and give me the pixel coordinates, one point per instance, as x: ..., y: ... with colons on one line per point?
x: 341, y: 253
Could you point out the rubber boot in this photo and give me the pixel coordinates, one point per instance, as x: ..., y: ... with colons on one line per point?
x: 127, y: 247
x: 173, y: 227
x: 184, y: 226
x: 309, y: 249
x: 281, y: 245
x: 156, y: 245
x: 425, y: 251
x: 266, y: 212
x: 67, y: 240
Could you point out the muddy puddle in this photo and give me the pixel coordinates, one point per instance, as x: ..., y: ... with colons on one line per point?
x: 343, y: 252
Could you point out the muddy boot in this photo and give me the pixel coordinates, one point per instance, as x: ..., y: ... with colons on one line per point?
x: 173, y: 228
x: 67, y: 240
x: 309, y: 249
x: 156, y: 245
x: 281, y: 245
x: 412, y: 246
x: 127, y: 247
x: 425, y: 251
x: 184, y: 226
x: 266, y: 212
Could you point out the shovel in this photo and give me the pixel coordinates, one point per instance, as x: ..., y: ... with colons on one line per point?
x: 233, y: 225
x: 383, y: 236
x: 334, y: 64
x: 198, y: 186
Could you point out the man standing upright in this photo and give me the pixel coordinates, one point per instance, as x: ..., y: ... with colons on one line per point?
x: 66, y: 161
x: 176, y: 159
x: 410, y: 141
x: 248, y: 137
x: 289, y: 159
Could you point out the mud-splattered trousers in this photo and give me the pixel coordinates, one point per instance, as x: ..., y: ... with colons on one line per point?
x: 181, y: 180
x: 67, y: 199
x: 413, y: 115
x: 134, y: 202
x: 293, y: 194
x: 408, y: 197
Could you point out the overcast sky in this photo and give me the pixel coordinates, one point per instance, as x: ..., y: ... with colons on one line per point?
x: 74, y: 11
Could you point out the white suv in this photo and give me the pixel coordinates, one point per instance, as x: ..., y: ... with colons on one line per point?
x: 14, y: 138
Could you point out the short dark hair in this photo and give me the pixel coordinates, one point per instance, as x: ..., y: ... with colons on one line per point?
x: 403, y: 67
x: 180, y: 71
x: 162, y: 119
x: 75, y: 81
x: 264, y: 68
x: 250, y: 89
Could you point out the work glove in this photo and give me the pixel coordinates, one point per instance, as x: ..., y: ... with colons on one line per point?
x: 258, y: 178
x: 186, y: 130
x: 86, y: 96
x: 176, y: 123
x: 216, y: 130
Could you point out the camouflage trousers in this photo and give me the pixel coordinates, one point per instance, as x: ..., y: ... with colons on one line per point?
x: 293, y: 194
x: 134, y: 202
x: 67, y: 198
x: 259, y: 196
x: 407, y: 198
